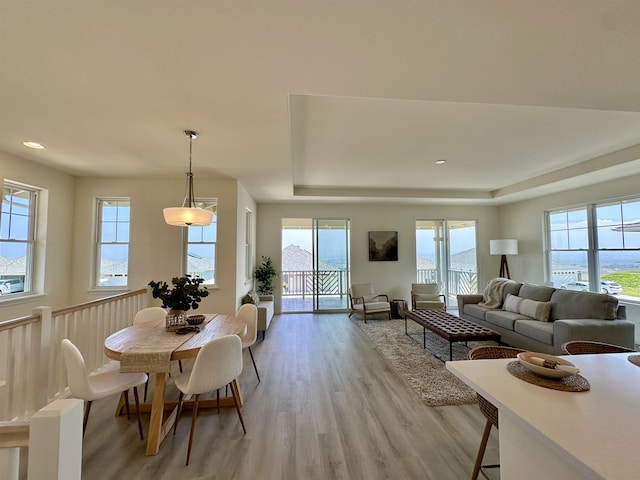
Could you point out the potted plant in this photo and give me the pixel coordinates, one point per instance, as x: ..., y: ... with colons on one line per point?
x: 185, y: 293
x: 264, y: 274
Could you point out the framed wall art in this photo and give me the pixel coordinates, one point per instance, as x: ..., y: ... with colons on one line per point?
x: 383, y: 246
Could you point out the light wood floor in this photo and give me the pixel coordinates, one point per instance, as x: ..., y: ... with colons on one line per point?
x: 328, y: 407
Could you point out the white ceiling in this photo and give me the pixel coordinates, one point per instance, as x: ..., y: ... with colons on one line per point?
x: 329, y: 100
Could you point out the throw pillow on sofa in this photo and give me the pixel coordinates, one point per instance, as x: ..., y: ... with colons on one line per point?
x: 531, y: 308
x: 251, y: 297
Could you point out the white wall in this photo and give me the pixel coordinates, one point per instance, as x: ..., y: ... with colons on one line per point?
x: 155, y: 248
x: 393, y: 278
x: 245, y: 203
x: 54, y: 234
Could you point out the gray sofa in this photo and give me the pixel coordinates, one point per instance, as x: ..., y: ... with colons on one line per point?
x: 572, y: 316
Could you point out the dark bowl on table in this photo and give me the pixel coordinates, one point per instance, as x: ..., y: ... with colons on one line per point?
x: 195, y: 319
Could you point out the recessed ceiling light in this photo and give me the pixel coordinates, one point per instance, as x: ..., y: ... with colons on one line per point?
x: 440, y: 162
x: 35, y: 145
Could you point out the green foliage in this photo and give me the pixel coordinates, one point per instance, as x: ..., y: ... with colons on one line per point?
x: 629, y: 281
x: 265, y: 274
x: 184, y: 294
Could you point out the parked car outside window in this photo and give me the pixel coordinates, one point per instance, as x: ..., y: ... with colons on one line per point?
x: 12, y: 285
x: 606, y: 286
x: 612, y: 288
x: 579, y: 286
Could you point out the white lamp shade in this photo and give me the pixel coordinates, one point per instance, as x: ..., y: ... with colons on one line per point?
x: 188, y: 217
x: 503, y: 247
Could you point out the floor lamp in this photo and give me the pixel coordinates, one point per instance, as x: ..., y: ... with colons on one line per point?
x: 503, y: 247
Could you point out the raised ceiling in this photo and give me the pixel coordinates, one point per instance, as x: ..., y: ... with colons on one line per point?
x: 329, y: 100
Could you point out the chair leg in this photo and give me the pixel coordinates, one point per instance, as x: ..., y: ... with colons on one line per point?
x: 483, y: 447
x: 135, y: 396
x: 87, y: 409
x: 175, y: 424
x: 254, y: 364
x: 236, y: 400
x: 146, y: 386
x: 193, y: 425
x: 218, y: 400
x: 126, y: 403
x: 180, y: 365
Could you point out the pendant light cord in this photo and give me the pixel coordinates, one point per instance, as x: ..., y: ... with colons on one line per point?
x: 190, y: 149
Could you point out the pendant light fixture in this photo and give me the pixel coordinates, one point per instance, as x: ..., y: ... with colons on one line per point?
x: 188, y: 215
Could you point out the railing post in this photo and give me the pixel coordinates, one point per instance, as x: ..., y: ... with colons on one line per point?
x: 10, y: 463
x: 39, y: 366
x: 55, y: 441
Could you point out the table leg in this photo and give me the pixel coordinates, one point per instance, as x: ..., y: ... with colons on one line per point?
x: 157, y: 411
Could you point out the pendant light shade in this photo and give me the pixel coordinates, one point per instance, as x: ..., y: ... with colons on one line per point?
x: 188, y: 215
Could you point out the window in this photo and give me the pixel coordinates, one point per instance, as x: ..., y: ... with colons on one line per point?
x: 446, y: 255
x: 112, y: 242
x: 599, y: 241
x: 248, y: 246
x: 17, y: 238
x: 568, y: 233
x: 200, y: 252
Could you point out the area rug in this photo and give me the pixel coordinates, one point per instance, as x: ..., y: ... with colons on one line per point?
x: 418, y: 367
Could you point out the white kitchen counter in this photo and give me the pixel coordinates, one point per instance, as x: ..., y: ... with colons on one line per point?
x: 552, y: 434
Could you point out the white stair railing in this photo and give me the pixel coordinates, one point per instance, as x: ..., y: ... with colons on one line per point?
x: 32, y: 371
x: 54, y: 438
x: 33, y: 378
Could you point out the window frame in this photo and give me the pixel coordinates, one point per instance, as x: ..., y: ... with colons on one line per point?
x: 31, y: 236
x: 593, y: 248
x: 207, y: 203
x: 98, y: 243
x: 248, y: 246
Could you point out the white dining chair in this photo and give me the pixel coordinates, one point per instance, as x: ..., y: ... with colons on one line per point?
x: 218, y: 363
x: 93, y: 387
x: 149, y: 314
x: 249, y: 314
x: 145, y: 315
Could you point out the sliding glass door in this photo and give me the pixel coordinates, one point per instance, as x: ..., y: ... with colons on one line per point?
x: 446, y: 255
x: 315, y: 264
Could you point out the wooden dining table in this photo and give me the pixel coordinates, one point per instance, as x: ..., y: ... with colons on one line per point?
x: 118, y: 343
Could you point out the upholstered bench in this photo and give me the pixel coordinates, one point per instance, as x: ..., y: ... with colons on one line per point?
x: 265, y: 313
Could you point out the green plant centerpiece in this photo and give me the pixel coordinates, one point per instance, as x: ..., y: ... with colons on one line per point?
x: 264, y: 274
x: 185, y: 293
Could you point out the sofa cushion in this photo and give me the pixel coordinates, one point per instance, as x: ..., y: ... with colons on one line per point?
x: 530, y: 308
x: 369, y: 298
x: 426, y: 297
x: 540, y: 331
x: 503, y: 319
x: 475, y: 310
x: 539, y: 293
x: 511, y: 288
x: 572, y: 304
